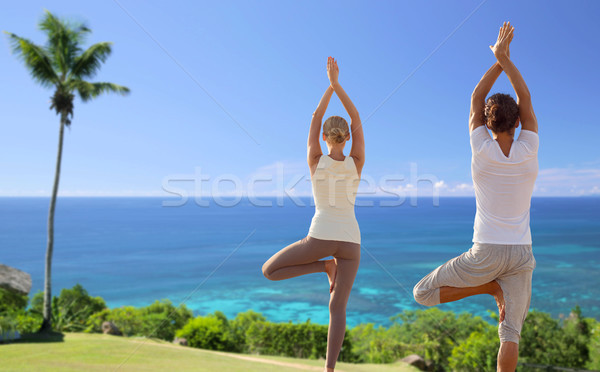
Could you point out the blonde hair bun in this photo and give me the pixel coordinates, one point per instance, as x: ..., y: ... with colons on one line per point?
x: 336, y: 129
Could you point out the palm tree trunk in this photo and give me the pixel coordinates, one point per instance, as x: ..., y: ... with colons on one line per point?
x: 47, y: 322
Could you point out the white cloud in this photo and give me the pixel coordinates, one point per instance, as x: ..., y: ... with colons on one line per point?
x: 568, y: 182
x: 440, y: 185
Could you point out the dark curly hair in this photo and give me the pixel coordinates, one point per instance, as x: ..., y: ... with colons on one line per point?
x: 501, y: 112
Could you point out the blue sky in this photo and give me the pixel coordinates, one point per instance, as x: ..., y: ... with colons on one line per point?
x: 264, y: 63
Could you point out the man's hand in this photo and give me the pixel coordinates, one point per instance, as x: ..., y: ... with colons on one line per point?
x: 332, y: 71
x: 505, y: 36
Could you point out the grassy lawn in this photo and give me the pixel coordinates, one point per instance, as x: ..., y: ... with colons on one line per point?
x: 97, y: 352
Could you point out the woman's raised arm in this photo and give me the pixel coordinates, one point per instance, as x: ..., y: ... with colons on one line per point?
x: 358, y: 139
x: 314, y: 146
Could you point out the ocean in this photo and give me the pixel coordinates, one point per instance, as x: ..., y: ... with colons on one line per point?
x: 133, y: 251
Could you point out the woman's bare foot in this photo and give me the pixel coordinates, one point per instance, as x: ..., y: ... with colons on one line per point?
x: 499, y: 297
x: 331, y: 270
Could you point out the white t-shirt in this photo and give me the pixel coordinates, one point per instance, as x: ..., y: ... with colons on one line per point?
x: 503, y: 187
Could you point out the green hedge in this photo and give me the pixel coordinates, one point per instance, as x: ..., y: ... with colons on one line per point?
x: 302, y: 340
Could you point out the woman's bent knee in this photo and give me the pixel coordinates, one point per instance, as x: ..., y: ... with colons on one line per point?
x: 266, y: 270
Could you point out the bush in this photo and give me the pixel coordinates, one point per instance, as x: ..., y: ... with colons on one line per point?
x: 433, y: 333
x: 71, y: 309
x: 7, y: 327
x: 14, y: 316
x: 545, y: 341
x: 27, y: 321
x: 160, y: 319
x: 238, y: 327
x: 11, y: 301
x: 372, y: 344
x: 594, y: 344
x: 207, y: 332
x: 126, y: 318
x: 303, y: 340
x: 478, y: 353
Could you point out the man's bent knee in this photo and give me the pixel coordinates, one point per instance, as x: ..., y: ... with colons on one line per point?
x: 425, y: 296
x: 508, y: 334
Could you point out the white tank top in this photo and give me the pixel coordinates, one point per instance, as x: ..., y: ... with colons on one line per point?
x: 334, y: 185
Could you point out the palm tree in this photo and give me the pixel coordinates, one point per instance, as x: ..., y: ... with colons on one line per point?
x: 62, y: 65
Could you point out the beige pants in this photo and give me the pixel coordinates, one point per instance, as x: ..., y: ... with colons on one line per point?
x: 510, y: 265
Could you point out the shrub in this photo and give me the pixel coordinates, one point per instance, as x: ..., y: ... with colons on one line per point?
x: 239, y: 326
x: 126, y: 318
x: 478, y: 353
x: 27, y: 321
x: 7, y: 327
x: 13, y: 313
x: 372, y: 344
x: 11, y: 301
x: 303, y: 340
x: 71, y: 309
x: 207, y: 332
x: 433, y: 333
x: 160, y: 319
x: 594, y: 344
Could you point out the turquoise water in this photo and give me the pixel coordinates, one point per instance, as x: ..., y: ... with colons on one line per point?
x: 131, y: 251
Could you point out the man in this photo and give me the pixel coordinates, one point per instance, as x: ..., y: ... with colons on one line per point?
x: 501, y: 261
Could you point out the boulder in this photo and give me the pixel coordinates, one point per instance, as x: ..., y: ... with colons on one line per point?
x: 109, y: 328
x: 429, y: 366
x: 14, y: 280
x: 415, y: 361
x: 180, y: 341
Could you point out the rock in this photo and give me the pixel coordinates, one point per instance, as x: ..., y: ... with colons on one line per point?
x: 429, y: 366
x: 14, y: 280
x: 415, y: 361
x: 109, y: 328
x: 180, y: 341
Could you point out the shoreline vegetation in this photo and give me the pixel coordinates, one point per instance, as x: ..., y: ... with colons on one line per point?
x: 448, y: 340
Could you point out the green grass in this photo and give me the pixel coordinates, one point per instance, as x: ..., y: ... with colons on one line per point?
x: 98, y: 352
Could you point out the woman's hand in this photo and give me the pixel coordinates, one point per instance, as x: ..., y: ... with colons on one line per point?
x: 332, y: 71
x: 505, y: 36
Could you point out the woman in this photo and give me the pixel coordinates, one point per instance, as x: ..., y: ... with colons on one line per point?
x: 334, y: 230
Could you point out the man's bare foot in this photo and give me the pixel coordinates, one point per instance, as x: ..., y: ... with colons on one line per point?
x: 331, y: 270
x: 499, y: 297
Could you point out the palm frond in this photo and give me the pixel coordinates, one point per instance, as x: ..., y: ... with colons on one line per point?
x: 64, y: 39
x: 36, y: 60
x: 88, y: 90
x: 89, y: 62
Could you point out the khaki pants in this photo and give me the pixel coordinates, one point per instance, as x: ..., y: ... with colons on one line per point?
x: 510, y: 265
